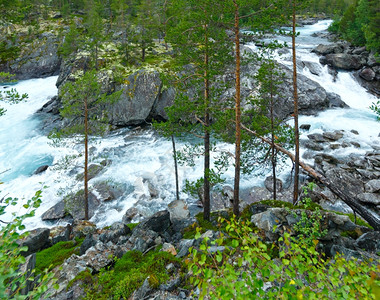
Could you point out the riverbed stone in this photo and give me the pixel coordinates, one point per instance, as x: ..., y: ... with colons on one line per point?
x: 367, y: 74
x: 343, y: 61
x: 370, y: 198
x: 55, y: 212
x: 269, y: 184
x: 178, y: 210
x: 322, y: 49
x: 333, y: 136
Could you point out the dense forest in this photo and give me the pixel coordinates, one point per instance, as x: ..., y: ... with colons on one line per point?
x: 195, y: 49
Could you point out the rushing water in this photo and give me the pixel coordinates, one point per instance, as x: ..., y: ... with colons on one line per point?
x: 141, y: 156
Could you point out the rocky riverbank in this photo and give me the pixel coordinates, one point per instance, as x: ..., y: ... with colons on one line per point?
x: 97, y: 249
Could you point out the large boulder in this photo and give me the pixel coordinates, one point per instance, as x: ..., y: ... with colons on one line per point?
x: 322, y: 49
x: 342, y: 61
x: 140, y: 92
x: 37, y: 240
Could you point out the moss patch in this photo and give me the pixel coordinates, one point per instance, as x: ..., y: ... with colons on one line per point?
x: 130, y: 272
x: 55, y: 255
x: 277, y: 203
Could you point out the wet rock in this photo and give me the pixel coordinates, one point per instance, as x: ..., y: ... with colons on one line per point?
x: 109, y: 191
x: 367, y: 74
x: 369, y: 241
x: 342, y: 61
x: 41, y: 169
x: 55, y: 212
x: 305, y: 127
x: 130, y: 214
x: 354, y: 131
x: 316, y: 137
x: 322, y: 49
x: 335, y: 101
x: 178, y: 210
x: 313, y: 67
x: 38, y: 239
x: 74, y: 204
x: 312, y: 145
x: 93, y: 171
x: 333, y: 136
x: 269, y: 184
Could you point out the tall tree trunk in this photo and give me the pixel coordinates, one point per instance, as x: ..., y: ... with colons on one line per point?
x: 295, y: 96
x: 237, y: 113
x: 273, y: 155
x: 351, y: 201
x: 175, y: 168
x: 85, y: 159
x: 206, y: 186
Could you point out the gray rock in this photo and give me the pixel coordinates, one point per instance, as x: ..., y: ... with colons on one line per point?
x: 139, y: 95
x: 343, y: 61
x: 27, y: 270
x: 328, y: 49
x: 109, y: 191
x: 113, y: 234
x: 371, y: 198
x: 37, y: 59
x: 367, y: 74
x: 313, y: 67
x: 74, y: 204
x: 335, y: 101
x: 55, y: 212
x: 305, y: 127
x: 41, y: 169
x: 178, y: 210
x: 333, y: 136
x: 38, y: 239
x: 269, y: 184
x: 143, y: 291
x: 312, y: 145
x: 93, y: 171
x: 88, y: 242
x: 184, y: 247
x: 159, y: 222
x: 316, y: 137
x: 369, y: 241
x: 142, y: 240
x: 372, y: 186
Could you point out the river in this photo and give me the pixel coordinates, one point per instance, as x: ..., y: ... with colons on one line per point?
x: 140, y: 158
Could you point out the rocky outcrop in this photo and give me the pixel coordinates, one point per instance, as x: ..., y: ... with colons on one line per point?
x: 38, y: 58
x: 346, y: 57
x: 140, y: 92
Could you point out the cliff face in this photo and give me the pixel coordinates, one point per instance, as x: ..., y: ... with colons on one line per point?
x: 36, y: 58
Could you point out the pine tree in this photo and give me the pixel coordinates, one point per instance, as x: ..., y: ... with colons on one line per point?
x: 82, y: 101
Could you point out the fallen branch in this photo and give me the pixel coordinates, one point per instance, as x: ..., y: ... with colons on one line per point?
x: 352, y: 202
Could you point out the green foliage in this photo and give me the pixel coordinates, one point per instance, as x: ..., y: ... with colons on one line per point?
x: 246, y: 270
x: 132, y: 225
x: 360, y: 24
x: 376, y: 108
x: 54, y: 256
x: 309, y: 226
x: 12, y: 280
x: 277, y: 203
x: 129, y: 273
x: 10, y: 96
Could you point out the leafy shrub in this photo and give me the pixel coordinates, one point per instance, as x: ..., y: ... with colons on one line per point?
x: 12, y: 280
x: 246, y: 270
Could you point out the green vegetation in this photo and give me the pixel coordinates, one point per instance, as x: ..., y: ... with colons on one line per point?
x: 360, y: 24
x: 54, y: 256
x: 248, y: 269
x: 132, y: 225
x: 12, y: 280
x: 129, y: 273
